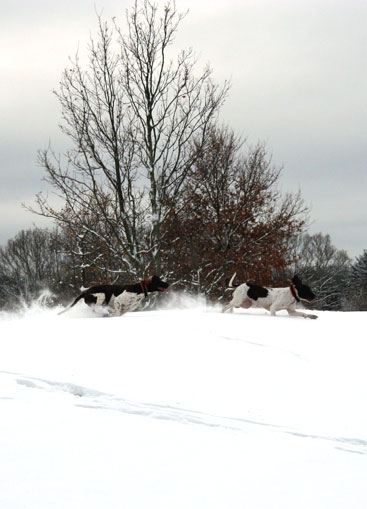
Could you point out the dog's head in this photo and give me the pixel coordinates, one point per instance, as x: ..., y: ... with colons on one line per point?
x: 304, y: 292
x: 155, y: 284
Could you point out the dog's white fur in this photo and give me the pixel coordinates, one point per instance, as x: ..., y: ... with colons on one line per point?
x: 276, y: 300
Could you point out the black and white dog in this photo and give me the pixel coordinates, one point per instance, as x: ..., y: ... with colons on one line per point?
x: 249, y: 295
x: 120, y: 299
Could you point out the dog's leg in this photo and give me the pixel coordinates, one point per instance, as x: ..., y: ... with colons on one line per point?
x: 247, y: 303
x: 122, y: 305
x: 273, y: 309
x: 238, y: 298
x: 116, y: 307
x: 293, y: 312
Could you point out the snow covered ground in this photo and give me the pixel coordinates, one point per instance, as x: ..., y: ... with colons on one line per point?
x: 182, y: 408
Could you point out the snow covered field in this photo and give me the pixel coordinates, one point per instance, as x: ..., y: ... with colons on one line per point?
x: 182, y: 409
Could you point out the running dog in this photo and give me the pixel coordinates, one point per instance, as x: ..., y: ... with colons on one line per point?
x: 249, y: 295
x: 120, y: 299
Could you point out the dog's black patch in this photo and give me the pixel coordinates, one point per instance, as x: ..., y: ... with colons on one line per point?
x: 304, y: 291
x: 152, y: 284
x: 90, y: 299
x: 107, y: 290
x: 256, y: 291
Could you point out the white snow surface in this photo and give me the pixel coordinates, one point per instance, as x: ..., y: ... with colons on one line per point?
x: 182, y: 408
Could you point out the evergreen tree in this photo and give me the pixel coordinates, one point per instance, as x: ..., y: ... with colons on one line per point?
x: 357, y: 288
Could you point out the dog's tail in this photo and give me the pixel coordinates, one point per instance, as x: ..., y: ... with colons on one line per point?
x: 71, y: 305
x: 230, y: 284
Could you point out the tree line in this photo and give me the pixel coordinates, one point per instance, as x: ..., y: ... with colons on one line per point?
x: 38, y: 260
x: 154, y: 183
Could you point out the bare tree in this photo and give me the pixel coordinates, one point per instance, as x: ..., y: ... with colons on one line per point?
x: 131, y: 116
x: 29, y: 263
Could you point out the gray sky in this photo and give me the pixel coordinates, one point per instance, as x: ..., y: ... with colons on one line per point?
x: 298, y: 70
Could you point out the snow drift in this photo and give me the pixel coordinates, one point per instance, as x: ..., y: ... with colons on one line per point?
x: 182, y: 407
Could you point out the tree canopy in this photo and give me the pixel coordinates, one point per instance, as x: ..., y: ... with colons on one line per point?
x: 152, y: 183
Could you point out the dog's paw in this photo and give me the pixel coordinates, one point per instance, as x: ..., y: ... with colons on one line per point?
x: 313, y: 317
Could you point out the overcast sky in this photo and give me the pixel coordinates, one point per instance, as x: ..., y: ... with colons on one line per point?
x: 298, y: 70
